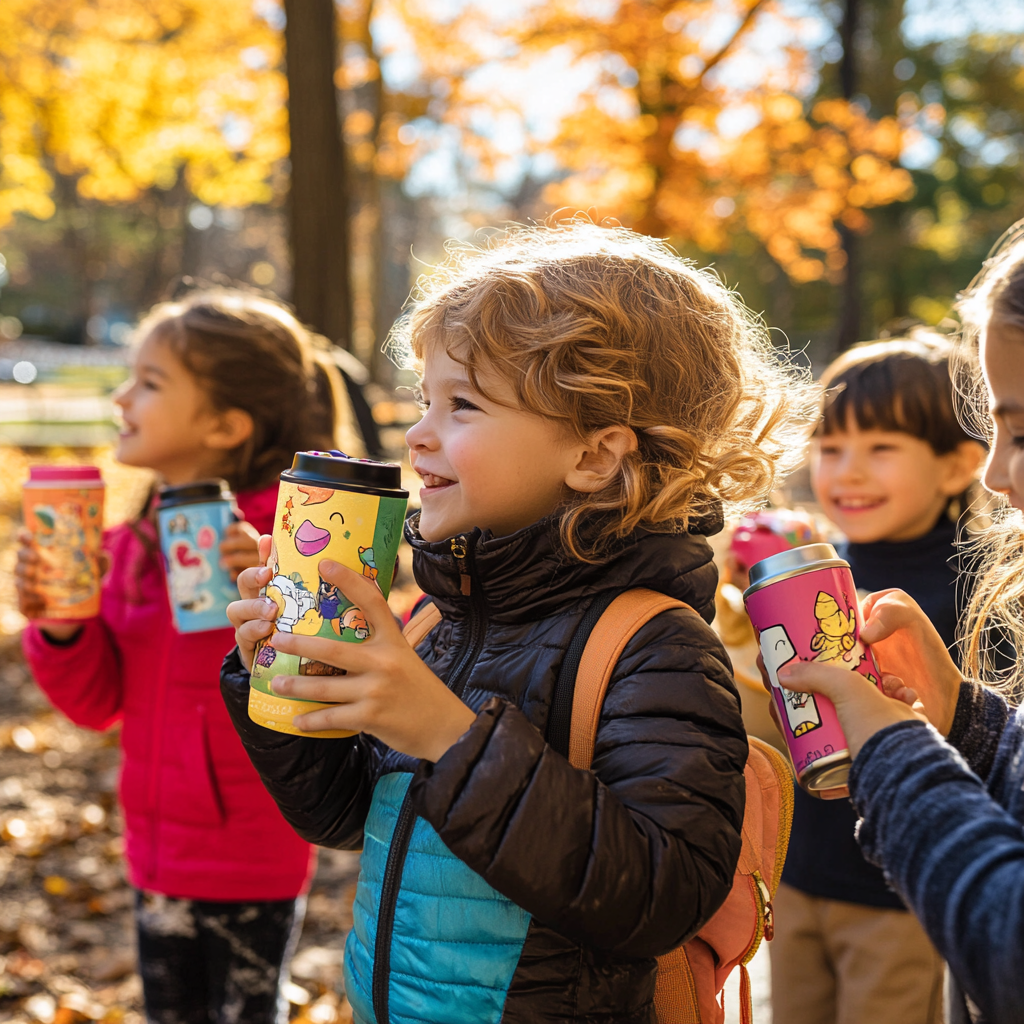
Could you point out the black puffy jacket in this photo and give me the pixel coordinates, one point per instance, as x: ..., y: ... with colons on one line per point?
x: 501, y: 883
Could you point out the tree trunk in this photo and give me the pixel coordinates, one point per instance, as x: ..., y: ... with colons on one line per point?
x: 318, y: 200
x: 850, y: 298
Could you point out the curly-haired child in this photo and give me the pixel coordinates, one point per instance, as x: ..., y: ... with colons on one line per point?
x: 590, y: 403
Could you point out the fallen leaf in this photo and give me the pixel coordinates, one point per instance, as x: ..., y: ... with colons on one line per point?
x: 56, y: 885
x: 22, y: 965
x: 65, y: 1015
x: 41, y: 1007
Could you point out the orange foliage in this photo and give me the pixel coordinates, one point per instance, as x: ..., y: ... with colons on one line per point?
x: 648, y: 147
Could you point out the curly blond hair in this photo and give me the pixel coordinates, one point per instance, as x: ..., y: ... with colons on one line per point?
x: 994, y: 618
x: 598, y: 326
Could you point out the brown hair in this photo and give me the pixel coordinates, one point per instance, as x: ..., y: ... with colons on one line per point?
x: 901, y: 384
x: 995, y: 615
x: 248, y: 352
x: 598, y: 326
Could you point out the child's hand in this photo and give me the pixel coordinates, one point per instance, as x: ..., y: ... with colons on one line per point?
x: 387, y: 692
x: 253, y: 616
x: 907, y: 645
x: 31, y: 602
x: 862, y: 708
x: 239, y: 549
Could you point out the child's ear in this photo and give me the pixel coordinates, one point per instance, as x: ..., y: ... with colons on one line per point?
x: 962, y: 465
x: 230, y: 428
x: 599, y: 458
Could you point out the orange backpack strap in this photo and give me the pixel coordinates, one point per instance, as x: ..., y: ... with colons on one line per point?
x: 690, y: 978
x: 614, y: 629
x: 421, y: 624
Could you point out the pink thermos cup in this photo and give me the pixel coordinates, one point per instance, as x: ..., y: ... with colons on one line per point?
x: 803, y: 604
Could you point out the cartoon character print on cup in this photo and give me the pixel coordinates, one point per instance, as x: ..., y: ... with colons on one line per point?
x: 803, y: 605
x: 314, y: 523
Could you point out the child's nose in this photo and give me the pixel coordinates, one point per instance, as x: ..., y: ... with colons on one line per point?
x: 120, y: 395
x: 851, y: 466
x: 420, y: 436
x: 996, y: 478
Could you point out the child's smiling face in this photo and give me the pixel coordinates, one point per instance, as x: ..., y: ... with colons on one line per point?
x: 167, y: 421
x: 886, y: 485
x: 484, y: 461
x: 164, y: 415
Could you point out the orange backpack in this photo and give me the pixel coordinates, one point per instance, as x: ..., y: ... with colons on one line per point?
x: 690, y: 977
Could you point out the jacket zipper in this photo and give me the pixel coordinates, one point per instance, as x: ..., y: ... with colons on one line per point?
x: 469, y: 585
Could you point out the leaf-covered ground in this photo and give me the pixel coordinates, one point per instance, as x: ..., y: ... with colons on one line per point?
x: 66, y: 933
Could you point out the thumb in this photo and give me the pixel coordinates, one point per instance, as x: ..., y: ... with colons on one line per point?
x: 886, y: 612
x: 265, y: 543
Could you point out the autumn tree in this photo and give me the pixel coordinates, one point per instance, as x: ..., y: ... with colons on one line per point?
x: 650, y: 140
x: 122, y: 96
x: 318, y: 198
x: 144, y: 106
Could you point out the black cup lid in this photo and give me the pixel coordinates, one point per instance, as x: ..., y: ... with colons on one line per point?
x: 197, y: 491
x: 327, y: 469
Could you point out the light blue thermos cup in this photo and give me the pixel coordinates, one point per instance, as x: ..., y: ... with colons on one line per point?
x: 192, y: 519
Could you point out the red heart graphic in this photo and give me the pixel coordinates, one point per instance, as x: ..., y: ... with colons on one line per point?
x: 184, y: 556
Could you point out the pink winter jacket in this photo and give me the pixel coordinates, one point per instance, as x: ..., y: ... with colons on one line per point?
x: 198, y: 822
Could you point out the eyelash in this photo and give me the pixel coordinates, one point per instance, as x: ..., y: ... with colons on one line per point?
x: 458, y: 403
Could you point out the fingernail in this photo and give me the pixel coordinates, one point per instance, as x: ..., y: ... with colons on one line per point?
x: 785, y: 672
x: 275, y: 638
x: 279, y: 684
x: 269, y: 605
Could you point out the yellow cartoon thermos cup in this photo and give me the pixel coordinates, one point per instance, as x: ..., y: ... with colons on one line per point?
x: 329, y: 506
x: 803, y: 605
x: 63, y: 507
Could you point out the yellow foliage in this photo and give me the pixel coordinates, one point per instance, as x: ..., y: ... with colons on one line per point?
x: 124, y: 94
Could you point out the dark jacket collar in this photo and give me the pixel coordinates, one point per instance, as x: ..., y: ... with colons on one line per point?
x: 527, y: 575
x: 932, y: 548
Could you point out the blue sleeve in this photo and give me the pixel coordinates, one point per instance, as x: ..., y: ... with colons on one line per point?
x: 978, y: 724
x: 953, y: 854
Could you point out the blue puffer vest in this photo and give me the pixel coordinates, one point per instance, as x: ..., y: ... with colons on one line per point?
x: 442, y: 905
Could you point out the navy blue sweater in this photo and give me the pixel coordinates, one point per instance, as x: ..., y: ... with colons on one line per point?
x: 824, y: 859
x: 945, y: 819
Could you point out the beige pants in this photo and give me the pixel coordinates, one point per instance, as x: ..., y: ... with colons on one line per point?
x: 844, y: 963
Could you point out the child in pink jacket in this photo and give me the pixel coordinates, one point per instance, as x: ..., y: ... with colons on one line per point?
x: 225, y: 385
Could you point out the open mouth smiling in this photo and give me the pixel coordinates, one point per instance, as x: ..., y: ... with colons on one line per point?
x: 858, y: 504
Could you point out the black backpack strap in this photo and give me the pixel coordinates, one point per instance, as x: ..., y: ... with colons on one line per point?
x: 560, y: 715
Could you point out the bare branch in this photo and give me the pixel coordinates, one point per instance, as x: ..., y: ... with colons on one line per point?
x: 724, y: 51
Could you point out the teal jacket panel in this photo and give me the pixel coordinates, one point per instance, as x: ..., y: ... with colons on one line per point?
x: 456, y: 940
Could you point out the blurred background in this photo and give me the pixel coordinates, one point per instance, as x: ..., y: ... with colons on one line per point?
x: 845, y: 164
